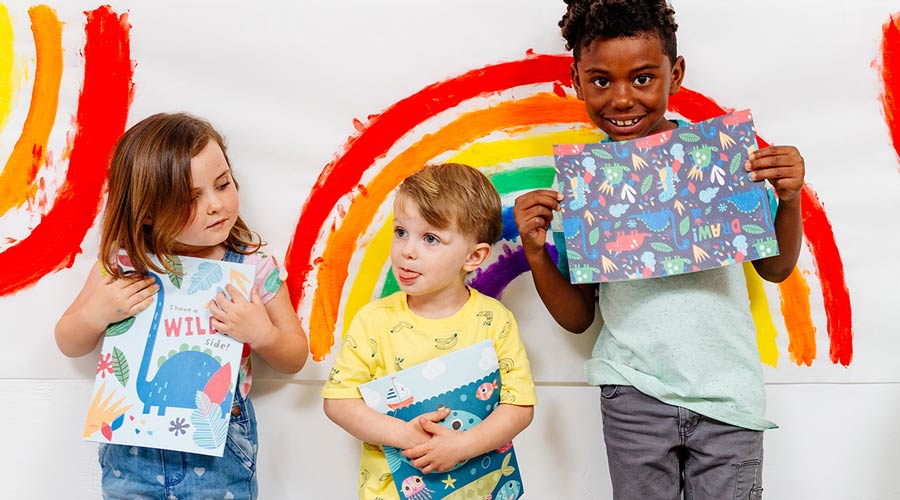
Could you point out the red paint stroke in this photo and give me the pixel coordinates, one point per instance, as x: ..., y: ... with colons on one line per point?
x: 817, y: 231
x: 373, y: 141
x: 890, y: 77
x: 103, y: 105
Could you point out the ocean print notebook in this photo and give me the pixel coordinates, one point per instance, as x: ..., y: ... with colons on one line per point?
x: 166, y: 377
x: 468, y: 382
x: 671, y: 203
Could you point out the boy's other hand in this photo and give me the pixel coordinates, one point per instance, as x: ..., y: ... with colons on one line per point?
x: 442, y: 452
x: 533, y: 212
x: 782, y: 166
x: 421, y: 434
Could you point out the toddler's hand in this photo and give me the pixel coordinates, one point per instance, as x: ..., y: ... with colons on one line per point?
x: 246, y: 321
x: 421, y: 435
x: 782, y: 166
x: 118, y: 299
x: 442, y: 452
x: 533, y: 212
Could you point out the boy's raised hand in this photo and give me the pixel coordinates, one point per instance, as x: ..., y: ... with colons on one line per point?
x: 782, y: 166
x: 533, y: 212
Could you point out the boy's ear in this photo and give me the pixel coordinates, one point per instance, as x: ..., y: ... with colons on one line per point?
x: 677, y: 75
x: 576, y: 82
x: 480, y: 254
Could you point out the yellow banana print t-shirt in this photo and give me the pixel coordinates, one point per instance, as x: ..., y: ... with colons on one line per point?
x: 385, y: 336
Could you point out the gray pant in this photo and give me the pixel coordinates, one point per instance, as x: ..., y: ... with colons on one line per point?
x: 657, y: 450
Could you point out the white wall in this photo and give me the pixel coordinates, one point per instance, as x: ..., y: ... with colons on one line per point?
x: 284, y: 83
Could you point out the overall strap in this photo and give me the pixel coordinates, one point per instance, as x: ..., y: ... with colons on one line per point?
x: 232, y: 256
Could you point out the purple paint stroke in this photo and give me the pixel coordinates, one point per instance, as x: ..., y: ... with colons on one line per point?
x: 493, y: 280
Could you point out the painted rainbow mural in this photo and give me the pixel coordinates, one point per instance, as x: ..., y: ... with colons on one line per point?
x: 889, y: 70
x: 103, y: 104
x: 504, y: 119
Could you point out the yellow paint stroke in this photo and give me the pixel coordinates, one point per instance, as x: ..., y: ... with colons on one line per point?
x: 370, y: 267
x: 541, y: 108
x: 762, y: 318
x: 17, y: 178
x: 493, y: 153
x: 6, y: 65
x: 478, y: 155
x: 797, y: 319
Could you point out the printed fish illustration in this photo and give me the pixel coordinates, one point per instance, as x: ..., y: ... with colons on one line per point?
x: 484, y: 391
x: 510, y: 491
x: 483, y: 487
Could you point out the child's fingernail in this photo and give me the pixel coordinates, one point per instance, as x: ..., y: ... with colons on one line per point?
x: 752, y: 176
x: 746, y: 165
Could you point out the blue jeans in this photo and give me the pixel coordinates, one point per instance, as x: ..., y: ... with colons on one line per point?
x: 658, y: 451
x: 133, y: 472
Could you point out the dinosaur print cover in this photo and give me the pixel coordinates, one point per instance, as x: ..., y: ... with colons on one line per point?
x: 166, y: 378
x: 670, y: 203
x: 468, y: 382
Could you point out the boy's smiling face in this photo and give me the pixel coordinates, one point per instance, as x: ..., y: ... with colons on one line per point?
x: 625, y: 84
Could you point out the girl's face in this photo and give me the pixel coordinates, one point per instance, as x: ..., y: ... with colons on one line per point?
x: 215, y: 208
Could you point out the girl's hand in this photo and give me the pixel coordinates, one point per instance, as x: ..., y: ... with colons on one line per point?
x: 782, y: 166
x: 245, y: 321
x: 116, y: 299
x: 533, y: 212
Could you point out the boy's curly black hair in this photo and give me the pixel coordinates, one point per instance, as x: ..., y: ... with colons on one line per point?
x: 587, y: 20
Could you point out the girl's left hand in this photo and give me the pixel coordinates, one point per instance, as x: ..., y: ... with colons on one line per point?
x: 246, y: 321
x: 782, y: 166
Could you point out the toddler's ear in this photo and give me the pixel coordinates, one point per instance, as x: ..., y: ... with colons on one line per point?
x: 480, y: 254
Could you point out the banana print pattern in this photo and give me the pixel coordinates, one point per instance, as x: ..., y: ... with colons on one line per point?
x: 403, y: 325
x: 332, y: 379
x: 506, y: 364
x: 505, y: 331
x: 488, y: 317
x: 446, y: 343
x: 507, y: 397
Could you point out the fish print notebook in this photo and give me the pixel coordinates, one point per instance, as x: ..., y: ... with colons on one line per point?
x: 468, y: 382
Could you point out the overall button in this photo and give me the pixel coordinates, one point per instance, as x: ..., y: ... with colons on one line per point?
x: 235, y: 411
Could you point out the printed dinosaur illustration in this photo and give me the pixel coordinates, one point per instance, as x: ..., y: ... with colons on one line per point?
x: 572, y: 227
x: 179, y: 377
x: 667, y: 179
x: 660, y: 221
x: 702, y: 157
x: 749, y: 202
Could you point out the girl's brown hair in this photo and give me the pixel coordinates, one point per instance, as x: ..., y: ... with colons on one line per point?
x: 150, y: 195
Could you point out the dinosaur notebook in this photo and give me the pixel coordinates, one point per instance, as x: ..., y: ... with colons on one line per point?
x: 468, y: 382
x: 166, y: 377
x: 666, y: 204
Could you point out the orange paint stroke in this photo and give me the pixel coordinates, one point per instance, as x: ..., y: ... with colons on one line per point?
x: 540, y: 109
x: 17, y: 178
x: 795, y: 308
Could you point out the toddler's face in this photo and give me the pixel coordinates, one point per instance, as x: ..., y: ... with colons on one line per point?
x: 427, y: 261
x: 625, y: 84
x: 215, y: 208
